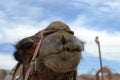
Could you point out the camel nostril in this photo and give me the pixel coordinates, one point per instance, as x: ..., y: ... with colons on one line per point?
x: 63, y: 40
x: 71, y: 48
x: 65, y: 47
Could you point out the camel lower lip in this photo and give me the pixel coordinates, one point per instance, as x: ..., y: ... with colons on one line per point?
x: 63, y: 62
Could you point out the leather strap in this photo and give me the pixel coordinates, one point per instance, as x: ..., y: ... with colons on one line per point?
x: 27, y: 75
x: 29, y: 70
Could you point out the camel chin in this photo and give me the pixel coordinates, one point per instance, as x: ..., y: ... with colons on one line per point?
x: 63, y: 62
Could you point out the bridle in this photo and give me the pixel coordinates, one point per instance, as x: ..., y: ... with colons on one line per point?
x: 32, y: 68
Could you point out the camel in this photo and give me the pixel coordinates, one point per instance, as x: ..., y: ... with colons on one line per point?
x: 5, y: 74
x: 51, y: 54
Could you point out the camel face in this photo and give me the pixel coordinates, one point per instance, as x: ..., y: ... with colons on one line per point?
x: 60, y: 50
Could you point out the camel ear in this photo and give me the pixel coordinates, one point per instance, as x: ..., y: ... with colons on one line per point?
x: 21, y: 47
x: 25, y: 43
x: 18, y: 55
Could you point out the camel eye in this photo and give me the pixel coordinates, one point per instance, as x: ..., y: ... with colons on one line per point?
x: 71, y: 32
x: 48, y: 32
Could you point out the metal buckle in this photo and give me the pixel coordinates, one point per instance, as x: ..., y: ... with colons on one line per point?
x: 19, y: 77
x: 33, y: 66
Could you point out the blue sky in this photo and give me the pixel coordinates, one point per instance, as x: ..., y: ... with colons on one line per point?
x: 87, y: 18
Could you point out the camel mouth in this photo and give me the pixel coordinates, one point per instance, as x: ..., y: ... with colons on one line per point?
x: 63, y: 62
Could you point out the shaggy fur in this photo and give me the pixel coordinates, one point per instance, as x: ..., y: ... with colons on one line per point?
x: 59, y: 55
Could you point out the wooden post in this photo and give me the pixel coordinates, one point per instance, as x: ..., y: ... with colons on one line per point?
x: 100, y: 57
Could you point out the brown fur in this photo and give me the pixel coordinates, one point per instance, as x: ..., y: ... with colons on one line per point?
x: 3, y: 73
x: 59, y: 55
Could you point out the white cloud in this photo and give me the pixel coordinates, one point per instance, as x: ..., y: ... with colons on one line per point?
x: 115, y: 7
x: 55, y: 2
x: 2, y: 14
x: 113, y: 4
x: 109, y: 41
x: 99, y: 8
x: 9, y: 4
x: 7, y: 61
x: 16, y: 33
x: 1, y: 36
x: 36, y: 11
x: 90, y: 2
x: 15, y: 11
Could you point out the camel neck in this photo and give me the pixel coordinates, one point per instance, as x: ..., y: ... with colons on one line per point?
x: 51, y: 75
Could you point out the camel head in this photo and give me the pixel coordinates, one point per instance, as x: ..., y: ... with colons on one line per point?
x: 60, y: 50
